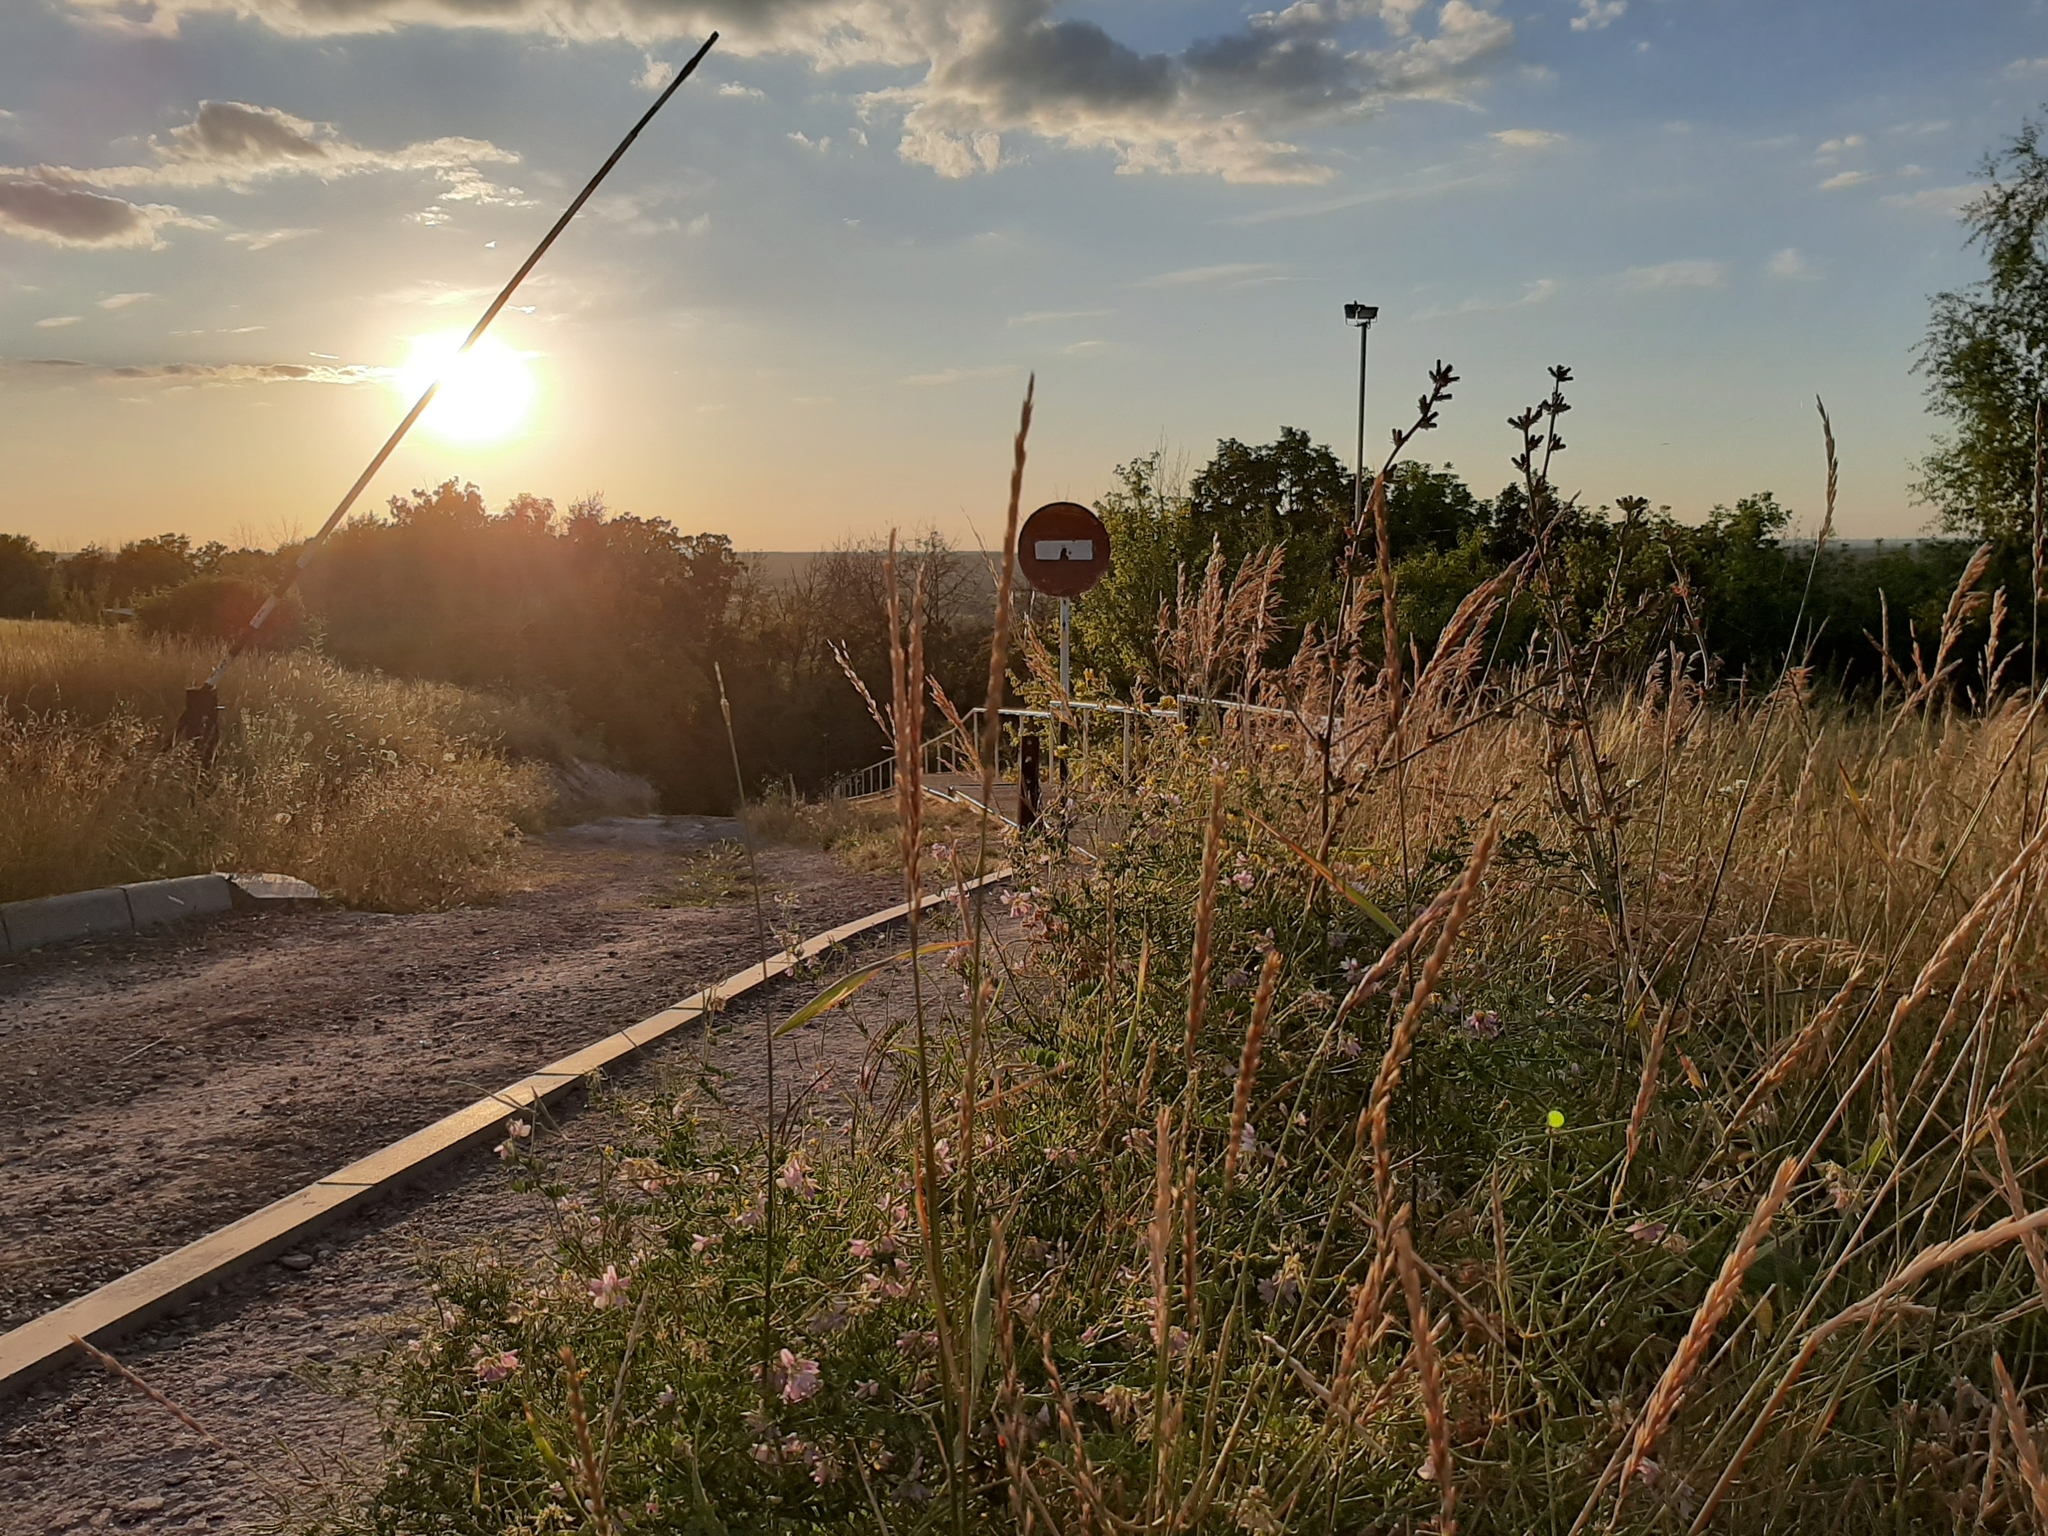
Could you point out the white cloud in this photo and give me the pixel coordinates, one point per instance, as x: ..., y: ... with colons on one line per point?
x: 1837, y: 146
x: 746, y: 92
x: 654, y: 73
x: 959, y: 376
x: 820, y: 145
x: 1532, y: 293
x: 229, y: 144
x: 1223, y: 105
x: 263, y: 240
x: 1597, y: 14
x: 1528, y: 138
x: 48, y: 204
x: 123, y: 300
x: 1945, y: 200
x: 1676, y: 274
x: 55, y: 322
x: 1790, y: 266
x: 1843, y: 179
x: 1052, y: 316
x: 198, y: 373
x: 2022, y: 67
x: 1077, y: 348
x: 1236, y: 274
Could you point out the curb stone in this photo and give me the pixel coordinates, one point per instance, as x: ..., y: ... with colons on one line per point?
x: 143, y: 1295
x: 118, y: 909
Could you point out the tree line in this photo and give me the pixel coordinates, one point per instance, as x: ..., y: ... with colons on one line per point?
x: 634, y: 626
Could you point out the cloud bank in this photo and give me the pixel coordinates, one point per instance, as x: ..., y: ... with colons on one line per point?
x: 227, y: 144
x: 1223, y: 105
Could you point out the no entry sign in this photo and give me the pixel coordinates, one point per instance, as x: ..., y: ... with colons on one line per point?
x: 1063, y: 549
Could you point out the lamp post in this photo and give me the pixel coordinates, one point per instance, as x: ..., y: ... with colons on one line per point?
x: 1362, y: 316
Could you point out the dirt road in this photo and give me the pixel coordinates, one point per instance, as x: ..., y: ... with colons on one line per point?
x: 155, y: 1088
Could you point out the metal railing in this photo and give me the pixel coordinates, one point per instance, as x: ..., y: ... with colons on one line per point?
x: 948, y: 754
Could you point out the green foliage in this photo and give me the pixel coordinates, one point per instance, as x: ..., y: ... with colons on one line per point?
x: 1152, y: 538
x: 218, y: 608
x: 27, y: 586
x: 1983, y: 355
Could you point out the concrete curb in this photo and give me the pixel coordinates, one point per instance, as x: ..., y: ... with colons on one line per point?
x: 141, y: 1296
x: 118, y: 909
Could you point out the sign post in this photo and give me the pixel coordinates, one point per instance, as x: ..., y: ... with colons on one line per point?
x: 1063, y: 550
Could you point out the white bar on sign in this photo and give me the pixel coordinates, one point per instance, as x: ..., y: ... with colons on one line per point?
x: 1064, y: 549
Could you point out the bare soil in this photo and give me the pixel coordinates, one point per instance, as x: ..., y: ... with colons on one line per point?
x: 270, y: 1364
x: 155, y: 1088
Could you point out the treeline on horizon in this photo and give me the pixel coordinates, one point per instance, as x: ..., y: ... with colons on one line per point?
x: 628, y: 625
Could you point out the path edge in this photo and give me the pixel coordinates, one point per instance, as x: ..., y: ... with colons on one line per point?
x: 138, y: 1298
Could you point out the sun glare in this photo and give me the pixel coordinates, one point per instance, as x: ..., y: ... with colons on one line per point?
x: 485, y: 393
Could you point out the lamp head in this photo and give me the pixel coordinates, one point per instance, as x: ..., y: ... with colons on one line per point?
x: 1361, y: 314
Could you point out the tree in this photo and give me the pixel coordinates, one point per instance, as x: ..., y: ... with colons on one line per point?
x: 27, y: 589
x: 1985, y: 355
x: 1151, y: 538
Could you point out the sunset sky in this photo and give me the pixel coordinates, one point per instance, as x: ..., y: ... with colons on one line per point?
x: 805, y: 305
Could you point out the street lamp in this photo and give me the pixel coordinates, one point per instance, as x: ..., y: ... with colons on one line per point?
x: 1362, y: 316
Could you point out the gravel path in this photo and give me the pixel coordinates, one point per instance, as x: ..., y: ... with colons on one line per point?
x: 156, y: 1088
x: 265, y: 1363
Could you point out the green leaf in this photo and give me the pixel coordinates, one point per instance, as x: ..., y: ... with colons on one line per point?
x: 981, y: 1326
x: 854, y: 980
x: 1343, y: 887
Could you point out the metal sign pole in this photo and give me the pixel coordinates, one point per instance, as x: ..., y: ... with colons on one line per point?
x: 1066, y: 638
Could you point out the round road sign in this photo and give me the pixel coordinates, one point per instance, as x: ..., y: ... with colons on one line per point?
x: 1063, y: 549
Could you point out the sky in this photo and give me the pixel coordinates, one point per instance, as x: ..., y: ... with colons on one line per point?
x: 804, y: 306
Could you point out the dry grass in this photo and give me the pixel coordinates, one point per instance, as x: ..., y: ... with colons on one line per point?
x: 1702, y: 1145
x: 383, y: 793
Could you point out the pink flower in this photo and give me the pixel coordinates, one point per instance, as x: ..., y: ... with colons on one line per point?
x: 700, y: 1243
x: 796, y: 1178
x: 607, y: 1288
x: 799, y: 1377
x: 867, y: 1391
x: 1244, y: 879
x: 494, y: 1368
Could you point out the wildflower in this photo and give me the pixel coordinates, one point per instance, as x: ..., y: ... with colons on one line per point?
x: 1348, y: 965
x: 753, y: 1215
x: 702, y: 1243
x: 799, y: 1377
x: 1484, y: 1024
x: 1239, y: 980
x: 829, y: 1319
x: 1138, y: 1139
x: 1648, y: 1231
x: 1176, y: 1342
x: 1248, y: 1142
x: 607, y: 1288
x: 1348, y: 1046
x: 825, y: 1469
x: 916, y: 1344
x: 943, y: 1150
x: 495, y: 1368
x: 867, y: 1391
x: 1244, y: 880
x: 942, y: 852
x: 796, y: 1178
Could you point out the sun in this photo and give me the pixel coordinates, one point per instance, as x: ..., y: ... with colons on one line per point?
x: 485, y: 393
